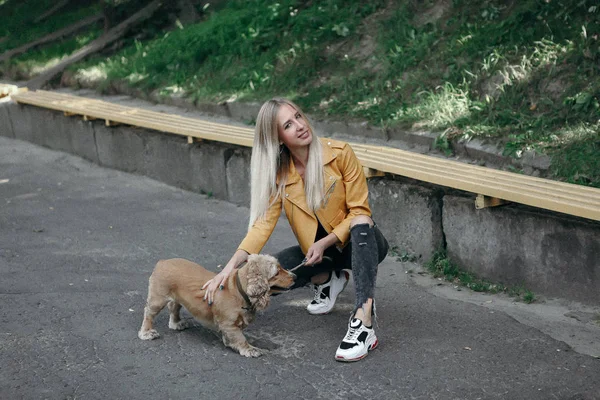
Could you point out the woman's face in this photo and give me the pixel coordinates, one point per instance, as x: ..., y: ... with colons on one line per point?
x: 292, y: 128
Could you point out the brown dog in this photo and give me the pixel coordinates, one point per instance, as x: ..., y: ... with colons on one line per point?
x: 178, y: 282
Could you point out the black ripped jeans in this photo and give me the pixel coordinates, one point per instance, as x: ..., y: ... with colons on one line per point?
x: 366, y: 249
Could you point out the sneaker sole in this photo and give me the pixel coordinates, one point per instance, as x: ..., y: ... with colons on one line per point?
x: 343, y: 288
x: 371, y: 347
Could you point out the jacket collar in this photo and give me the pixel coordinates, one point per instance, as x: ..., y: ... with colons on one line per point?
x: 328, y: 156
x: 328, y: 153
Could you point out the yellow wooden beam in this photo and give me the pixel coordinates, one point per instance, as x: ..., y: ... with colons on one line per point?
x: 492, y: 184
x: 482, y: 201
x: 109, y: 122
x: 371, y: 172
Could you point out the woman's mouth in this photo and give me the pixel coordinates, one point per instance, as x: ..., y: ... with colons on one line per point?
x: 304, y: 135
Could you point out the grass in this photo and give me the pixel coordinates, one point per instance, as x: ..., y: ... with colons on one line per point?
x: 402, y: 255
x: 440, y: 266
x: 522, y: 73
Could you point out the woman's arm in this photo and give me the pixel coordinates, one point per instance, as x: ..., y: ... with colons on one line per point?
x: 253, y: 243
x: 314, y: 255
x: 357, y: 192
x: 219, y: 280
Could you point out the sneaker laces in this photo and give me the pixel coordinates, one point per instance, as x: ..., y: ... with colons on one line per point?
x: 317, y: 298
x: 351, y: 335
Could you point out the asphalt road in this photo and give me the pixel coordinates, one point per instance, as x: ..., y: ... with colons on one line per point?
x: 78, y: 242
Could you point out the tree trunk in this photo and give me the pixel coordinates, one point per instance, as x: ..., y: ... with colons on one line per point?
x: 114, y: 34
x: 51, y: 37
x: 51, y: 11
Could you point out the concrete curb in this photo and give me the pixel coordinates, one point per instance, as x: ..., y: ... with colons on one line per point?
x: 555, y: 254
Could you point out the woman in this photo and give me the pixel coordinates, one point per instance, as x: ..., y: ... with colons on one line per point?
x: 321, y: 185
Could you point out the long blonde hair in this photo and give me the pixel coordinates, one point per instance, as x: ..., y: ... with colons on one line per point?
x: 271, y: 160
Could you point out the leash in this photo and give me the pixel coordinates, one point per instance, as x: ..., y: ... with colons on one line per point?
x: 238, y: 283
x: 303, y: 263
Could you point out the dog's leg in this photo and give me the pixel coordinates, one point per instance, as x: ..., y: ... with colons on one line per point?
x: 175, y: 321
x: 233, y: 337
x: 153, y: 306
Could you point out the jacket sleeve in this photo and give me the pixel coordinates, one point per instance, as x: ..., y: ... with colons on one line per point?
x: 259, y: 233
x: 357, y: 192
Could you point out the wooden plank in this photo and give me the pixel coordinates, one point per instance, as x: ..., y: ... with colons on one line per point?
x: 108, y: 122
x: 9, y: 90
x: 487, y: 173
x: 148, y: 119
x: 482, y: 201
x: 191, y: 140
x: 548, y: 201
x: 371, y: 173
x: 405, y: 167
x: 492, y: 184
x: 468, y: 183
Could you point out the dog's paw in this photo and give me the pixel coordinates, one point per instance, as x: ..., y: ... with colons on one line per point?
x: 179, y: 326
x: 251, y: 351
x: 148, y: 335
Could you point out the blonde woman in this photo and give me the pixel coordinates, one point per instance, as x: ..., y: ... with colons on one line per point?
x: 322, y: 188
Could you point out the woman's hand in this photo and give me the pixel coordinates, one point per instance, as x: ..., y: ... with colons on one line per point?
x: 220, y: 280
x: 314, y: 255
x: 217, y: 282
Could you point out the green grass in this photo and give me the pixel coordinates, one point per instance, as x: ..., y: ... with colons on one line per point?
x: 402, y: 255
x: 245, y: 49
x: 522, y: 73
x: 440, y: 266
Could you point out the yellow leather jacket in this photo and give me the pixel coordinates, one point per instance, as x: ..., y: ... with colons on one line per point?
x: 346, y: 196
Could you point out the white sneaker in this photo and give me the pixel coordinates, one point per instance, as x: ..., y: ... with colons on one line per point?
x: 357, y: 343
x: 326, y: 293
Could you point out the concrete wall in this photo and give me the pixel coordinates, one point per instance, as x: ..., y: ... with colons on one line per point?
x: 6, y: 128
x: 238, y: 176
x: 41, y: 126
x: 409, y: 215
x: 552, y: 254
x: 518, y: 245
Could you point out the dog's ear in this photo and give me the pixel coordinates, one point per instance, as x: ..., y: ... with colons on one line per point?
x: 258, y: 281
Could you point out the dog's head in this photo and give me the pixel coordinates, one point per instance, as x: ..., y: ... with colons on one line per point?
x: 265, y: 276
